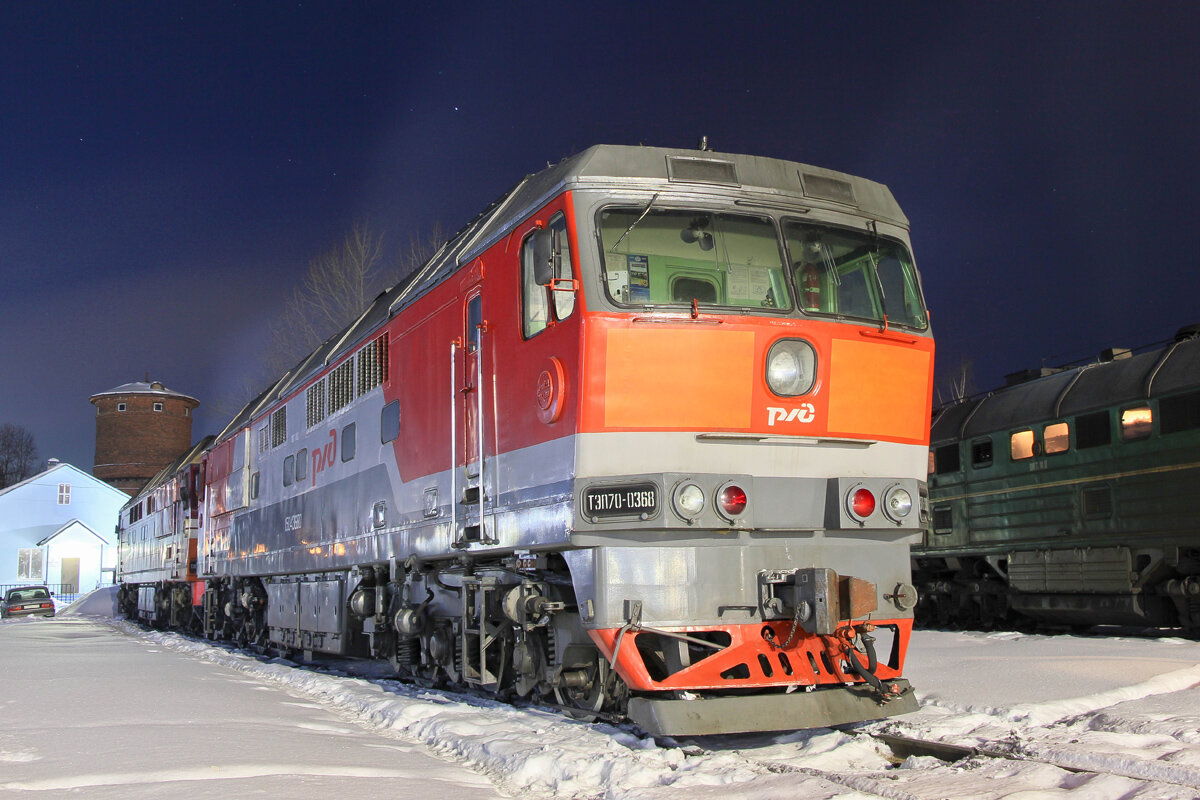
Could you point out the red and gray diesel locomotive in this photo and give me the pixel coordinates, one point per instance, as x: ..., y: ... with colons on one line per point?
x: 646, y: 438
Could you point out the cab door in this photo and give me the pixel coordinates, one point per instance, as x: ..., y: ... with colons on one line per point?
x: 472, y: 425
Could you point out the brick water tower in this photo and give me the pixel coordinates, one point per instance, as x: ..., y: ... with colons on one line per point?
x: 140, y: 428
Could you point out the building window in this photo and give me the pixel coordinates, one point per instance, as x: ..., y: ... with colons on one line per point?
x: 1136, y: 423
x: 1057, y: 438
x: 120, y: 406
x: 158, y: 406
x: 30, y: 564
x: 314, y: 401
x: 279, y: 427
x: 64, y: 494
x: 1023, y: 445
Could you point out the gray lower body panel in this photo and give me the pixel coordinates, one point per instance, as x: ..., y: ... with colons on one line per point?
x: 767, y: 712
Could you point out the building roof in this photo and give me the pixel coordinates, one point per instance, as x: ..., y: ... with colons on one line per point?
x: 75, y: 523
x: 63, y: 466
x: 143, y: 387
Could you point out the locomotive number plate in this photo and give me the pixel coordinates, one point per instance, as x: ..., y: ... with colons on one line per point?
x: 633, y: 499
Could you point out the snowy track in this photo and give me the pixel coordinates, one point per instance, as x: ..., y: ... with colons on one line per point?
x: 1125, y: 741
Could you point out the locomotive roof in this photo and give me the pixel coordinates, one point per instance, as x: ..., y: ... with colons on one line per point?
x: 769, y: 180
x: 1159, y: 371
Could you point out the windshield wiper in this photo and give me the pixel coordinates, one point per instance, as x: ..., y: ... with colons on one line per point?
x: 645, y: 211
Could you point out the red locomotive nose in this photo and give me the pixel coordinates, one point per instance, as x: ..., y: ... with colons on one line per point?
x: 733, y: 500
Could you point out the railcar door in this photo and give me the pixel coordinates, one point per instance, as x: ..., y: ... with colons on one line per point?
x: 472, y: 423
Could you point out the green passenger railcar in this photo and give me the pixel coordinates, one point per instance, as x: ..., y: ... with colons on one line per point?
x: 1071, y: 496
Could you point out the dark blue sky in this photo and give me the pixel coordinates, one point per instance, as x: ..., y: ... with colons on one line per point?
x: 167, y: 169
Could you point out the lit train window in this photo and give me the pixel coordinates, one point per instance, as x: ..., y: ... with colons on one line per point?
x: 981, y: 453
x: 1136, y: 423
x: 1023, y: 445
x: 1057, y: 438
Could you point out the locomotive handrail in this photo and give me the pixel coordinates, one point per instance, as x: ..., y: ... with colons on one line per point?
x: 481, y: 328
x: 453, y: 443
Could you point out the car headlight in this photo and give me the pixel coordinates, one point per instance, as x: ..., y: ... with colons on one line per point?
x: 791, y: 367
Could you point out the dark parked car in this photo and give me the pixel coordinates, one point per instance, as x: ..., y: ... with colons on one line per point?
x: 27, y: 601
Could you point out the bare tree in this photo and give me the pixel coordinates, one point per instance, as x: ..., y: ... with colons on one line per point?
x: 961, y: 383
x: 18, y: 454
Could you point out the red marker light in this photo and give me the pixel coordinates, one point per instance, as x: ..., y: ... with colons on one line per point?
x: 862, y: 503
x: 733, y: 500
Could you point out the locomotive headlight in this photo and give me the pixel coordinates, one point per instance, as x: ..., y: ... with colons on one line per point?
x: 731, y: 501
x: 860, y: 502
x: 791, y: 367
x: 897, y: 503
x: 688, y: 499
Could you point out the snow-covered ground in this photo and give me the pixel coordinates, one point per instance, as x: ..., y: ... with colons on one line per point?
x: 1086, y: 717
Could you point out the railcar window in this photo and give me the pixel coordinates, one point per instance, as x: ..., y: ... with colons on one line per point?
x: 302, y: 465
x: 1092, y: 430
x: 1057, y: 438
x: 389, y: 422
x: 943, y: 520
x: 947, y: 459
x: 1096, y: 502
x: 314, y: 401
x: 348, y: 443
x: 474, y: 320
x: 254, y: 486
x: 564, y: 301
x: 981, y: 453
x: 1136, y: 423
x: 1179, y: 413
x: 854, y: 274
x: 289, y: 470
x: 677, y: 257
x: 1023, y: 444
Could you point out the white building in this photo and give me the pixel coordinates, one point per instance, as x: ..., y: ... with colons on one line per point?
x: 57, y: 528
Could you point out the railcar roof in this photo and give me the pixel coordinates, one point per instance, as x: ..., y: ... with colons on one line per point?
x: 1160, y: 371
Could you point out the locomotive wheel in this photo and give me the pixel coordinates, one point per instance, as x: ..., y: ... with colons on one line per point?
x: 591, y: 689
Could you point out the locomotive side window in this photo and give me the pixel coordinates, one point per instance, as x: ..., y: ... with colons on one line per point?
x: 389, y: 422
x: 289, y: 470
x: 943, y: 520
x: 1092, y: 430
x: 1023, y: 444
x: 1136, y: 423
x: 946, y: 459
x: 302, y: 465
x: 474, y: 320
x: 348, y: 443
x: 981, y: 453
x: 539, y: 301
x: 1057, y: 438
x: 1179, y: 413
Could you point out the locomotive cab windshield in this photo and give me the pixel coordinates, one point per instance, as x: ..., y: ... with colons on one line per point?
x: 684, y: 257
